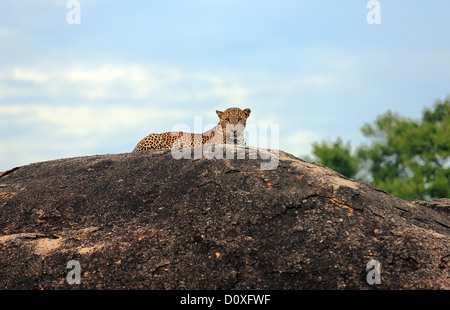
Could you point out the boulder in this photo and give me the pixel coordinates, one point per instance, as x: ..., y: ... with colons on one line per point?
x: 149, y: 221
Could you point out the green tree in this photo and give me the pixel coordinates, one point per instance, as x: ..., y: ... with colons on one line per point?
x: 407, y: 158
x: 336, y: 156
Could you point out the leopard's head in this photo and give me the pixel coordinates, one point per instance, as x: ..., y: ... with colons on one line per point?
x: 233, y: 121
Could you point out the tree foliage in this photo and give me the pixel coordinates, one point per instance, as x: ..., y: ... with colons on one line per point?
x: 405, y: 157
x: 337, y: 156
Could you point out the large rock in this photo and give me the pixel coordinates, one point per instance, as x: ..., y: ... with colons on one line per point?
x: 147, y: 220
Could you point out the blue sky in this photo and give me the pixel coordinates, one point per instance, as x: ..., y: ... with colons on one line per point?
x: 316, y: 68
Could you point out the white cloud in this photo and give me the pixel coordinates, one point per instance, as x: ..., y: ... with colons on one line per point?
x: 54, y: 111
x: 128, y: 82
x: 100, y: 82
x: 21, y: 74
x: 7, y: 33
x: 79, y: 121
x: 40, y: 132
x: 300, y: 142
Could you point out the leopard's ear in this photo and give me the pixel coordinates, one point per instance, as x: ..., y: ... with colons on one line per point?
x: 219, y: 113
x: 247, y: 112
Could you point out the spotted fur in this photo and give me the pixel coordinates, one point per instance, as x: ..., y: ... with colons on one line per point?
x: 230, y: 129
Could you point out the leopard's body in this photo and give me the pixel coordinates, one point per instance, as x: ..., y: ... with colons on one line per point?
x: 229, y: 130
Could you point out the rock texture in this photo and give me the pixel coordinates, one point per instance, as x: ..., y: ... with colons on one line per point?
x: 145, y: 220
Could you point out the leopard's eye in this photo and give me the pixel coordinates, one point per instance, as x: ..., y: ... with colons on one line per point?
x: 227, y: 119
x: 239, y: 119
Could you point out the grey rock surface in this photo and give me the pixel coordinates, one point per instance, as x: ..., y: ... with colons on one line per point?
x: 148, y: 221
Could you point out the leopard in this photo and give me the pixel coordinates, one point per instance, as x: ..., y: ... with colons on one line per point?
x: 229, y: 130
